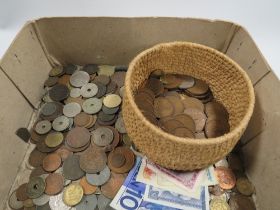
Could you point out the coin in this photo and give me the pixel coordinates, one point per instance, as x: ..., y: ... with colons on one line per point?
x: 115, y: 141
x: 70, y: 68
x: 244, y: 186
x: 170, y: 81
x: 87, y: 187
x: 59, y: 92
x: 49, y: 109
x: 14, y: 203
x: 78, y: 137
x: 118, y: 78
x: 129, y: 160
x: 111, y: 87
x: 200, y: 87
x: 192, y: 103
x: 43, y: 127
x: 51, y: 162
x: 42, y: 147
x: 73, y: 194
x: 99, y: 178
x: 112, y: 100
x: 216, y: 127
x: 186, y: 120
x: 126, y: 140
x: 241, y: 202
x: 75, y: 92
x: 28, y: 203
x: 225, y: 177
x: 35, y: 187
x: 60, y: 123
x: 216, y: 109
x: 88, y: 202
x: 79, y: 78
x: 71, y: 168
x: 110, y: 111
x: 119, y: 125
x: 54, y: 139
x: 106, y: 70
x: 64, y: 80
x: 56, y: 203
x: 92, y: 105
x: 89, y: 90
x: 199, y: 118
x: 102, y: 136
x: 170, y: 125
x: 183, y: 132
x: 223, y: 162
x: 218, y: 204
x: 178, y: 106
x: 187, y: 82
x: 37, y: 137
x: 117, y: 160
x: 56, y: 71
x: 103, y: 203
x: 21, y: 192
x: 37, y: 172
x: 216, y: 190
x: 163, y: 107
x: 82, y: 119
x: 42, y: 200
x: 63, y: 152
x: 112, y: 186
x: 51, y: 81
x: 54, y: 184
x: 71, y: 109
x: 102, y: 89
x: 90, y: 68
x: 77, y: 149
x: 155, y: 85
x: 105, y: 80
x: 57, y: 113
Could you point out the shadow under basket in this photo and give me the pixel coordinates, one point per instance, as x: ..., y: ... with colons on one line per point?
x: 229, y: 83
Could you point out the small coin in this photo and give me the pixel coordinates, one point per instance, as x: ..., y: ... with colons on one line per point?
x: 112, y: 100
x: 79, y: 78
x: 92, y: 105
x: 14, y: 203
x: 49, y: 109
x: 73, y: 194
x: 89, y: 90
x: 219, y: 204
x: 129, y: 160
x: 21, y: 192
x: 107, y: 110
x: 88, y: 202
x: 106, y: 70
x: 71, y: 168
x: 119, y: 125
x: 35, y: 187
x: 200, y: 87
x: 78, y: 137
x: 225, y: 177
x: 43, y: 127
x: 42, y: 200
x: 105, y: 80
x: 187, y: 82
x: 51, y: 81
x: 59, y: 92
x: 241, y: 202
x: 70, y: 69
x: 36, y: 158
x: 54, y: 139
x: 61, y: 123
x: 112, y: 186
x: 163, y: 107
x: 118, y: 78
x: 56, y: 71
x: 87, y: 187
x: 51, y: 162
x: 103, y: 203
x: 102, y: 89
x: 90, y: 68
x: 63, y: 152
x: 102, y: 136
x: 56, y: 203
x: 244, y: 186
x: 100, y: 178
x: 54, y: 184
x: 71, y: 109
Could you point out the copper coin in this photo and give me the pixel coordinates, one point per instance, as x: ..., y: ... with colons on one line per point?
x: 115, y: 141
x: 105, y: 80
x: 87, y: 187
x: 129, y: 159
x: 244, y: 186
x: 225, y: 177
x: 37, y: 172
x: 63, y: 152
x: 216, y: 109
x: 186, y: 120
x: 82, y: 119
x: 163, y: 107
x: 37, y: 137
x: 150, y: 117
x: 21, y: 192
x: 176, y: 103
x: 51, y: 81
x: 93, y: 119
x: 144, y: 105
x: 183, y: 132
x: 200, y: 87
x: 170, y: 125
x: 144, y: 95
x: 112, y: 186
x: 241, y: 202
x: 118, y: 160
x: 71, y: 168
x: 51, y: 162
x: 54, y: 184
x: 78, y: 137
x: 216, y: 127
x: 64, y: 80
x: 118, y: 78
x: 199, y: 118
x: 192, y: 103
x: 170, y: 81
x: 36, y: 158
x: 155, y: 85
x: 77, y: 149
x: 59, y: 92
x: 102, y: 136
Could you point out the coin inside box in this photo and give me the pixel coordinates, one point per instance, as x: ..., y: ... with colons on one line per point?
x: 47, y: 42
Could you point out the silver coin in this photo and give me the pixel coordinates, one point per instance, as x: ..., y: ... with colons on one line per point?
x: 75, y: 92
x: 48, y: 109
x: 60, y: 123
x: 103, y: 203
x: 89, y: 90
x: 92, y: 105
x: 43, y: 127
x: 14, y: 203
x: 56, y: 202
x: 102, y: 136
x: 79, y: 78
x: 187, y: 83
x: 100, y: 178
x: 89, y: 202
x: 119, y: 125
x: 42, y: 200
x: 71, y: 109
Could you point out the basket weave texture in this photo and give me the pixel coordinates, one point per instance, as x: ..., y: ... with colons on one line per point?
x: 229, y: 83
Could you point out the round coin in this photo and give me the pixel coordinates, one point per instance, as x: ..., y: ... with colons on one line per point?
x: 92, y: 105
x: 61, y: 123
x: 244, y: 186
x: 54, y: 139
x: 216, y: 127
x: 105, y: 80
x: 21, y: 192
x: 106, y: 70
x: 88, y: 202
x: 102, y: 89
x: 118, y: 78
x: 59, y: 92
x: 75, y: 92
x: 56, y: 203
x: 241, y: 202
x: 54, y: 184
x: 42, y: 200
x: 51, y: 162
x: 14, y: 203
x: 73, y: 194
x: 51, y: 81
x: 183, y: 132
x: 105, y: 117
x: 112, y: 100
x: 187, y: 82
x: 56, y: 71
x: 90, y: 68
x: 87, y: 187
x: 163, y: 107
x: 71, y: 168
x: 102, y: 136
x: 103, y: 203
x: 43, y: 127
x: 115, y: 142
x: 70, y: 69
x: 225, y: 177
x: 79, y: 78
x: 112, y: 186
x: 48, y: 109
x: 129, y: 160
x: 89, y: 90
x: 78, y: 137
x: 36, y: 158
x: 35, y: 187
x: 200, y: 87
x: 82, y: 119
x: 111, y: 111
x: 199, y: 118
x: 119, y: 125
x: 71, y: 109
x: 63, y: 152
x: 192, y: 103
x: 219, y: 204
x: 99, y: 178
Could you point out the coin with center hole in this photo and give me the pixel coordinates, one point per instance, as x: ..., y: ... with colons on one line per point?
x: 90, y: 68
x: 43, y: 127
x: 112, y: 100
x: 112, y: 186
x: 56, y: 203
x: 35, y: 187
x: 102, y: 136
x: 75, y: 92
x: 73, y: 194
x: 54, y: 139
x: 49, y: 109
x: 51, y: 162
x: 103, y: 203
x: 54, y: 184
x: 89, y: 90
x: 88, y: 202
x: 92, y: 105
x: 71, y: 168
x: 42, y: 200
x: 78, y: 137
x: 60, y: 123
x: 71, y: 109
x: 70, y: 69
x: 79, y: 78
x: 14, y: 203
x: 99, y: 178
x: 59, y: 92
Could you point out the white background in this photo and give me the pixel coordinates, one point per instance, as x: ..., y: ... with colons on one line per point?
x: 260, y: 18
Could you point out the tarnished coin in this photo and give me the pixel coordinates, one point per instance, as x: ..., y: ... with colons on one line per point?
x: 100, y: 178
x: 129, y: 160
x: 118, y: 78
x: 37, y: 172
x: 103, y: 203
x: 14, y: 203
x: 186, y: 120
x: 54, y: 184
x: 163, y: 107
x: 155, y: 85
x: 89, y: 90
x: 170, y: 81
x: 176, y: 103
x: 90, y: 68
x: 82, y: 119
x: 42, y: 200
x: 241, y: 202
x: 79, y: 78
x: 49, y: 109
x: 63, y: 152
x: 71, y: 109
x: 183, y: 132
x: 215, y: 109
x: 75, y: 92
x: 198, y: 116
x: 71, y: 168
x: 216, y: 127
x: 102, y: 136
x: 42, y: 147
x: 219, y: 204
x: 225, y: 177
x: 106, y: 70
x: 102, y: 89
x: 61, y: 123
x: 37, y: 137
x: 112, y: 100
x: 171, y: 125
x: 51, y: 81
x: 59, y: 92
x: 78, y: 137
x: 54, y: 139
x: 36, y: 158
x: 107, y: 110
x: 87, y: 187
x: 105, y: 80
x: 112, y: 186
x: 92, y: 105
x: 112, y: 87
x: 56, y: 71
x: 43, y: 127
x: 70, y: 69
x: 35, y: 187
x: 187, y: 82
x: 115, y: 141
x: 244, y: 186
x: 105, y: 117
x: 73, y: 194
x: 21, y: 192
x: 56, y: 203
x: 88, y: 202
x: 46, y: 206
x: 200, y: 87
x: 51, y: 162
x: 192, y: 103
x: 28, y: 204
x: 117, y: 160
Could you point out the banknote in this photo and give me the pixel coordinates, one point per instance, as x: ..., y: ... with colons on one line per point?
x: 209, y: 177
x: 175, y: 200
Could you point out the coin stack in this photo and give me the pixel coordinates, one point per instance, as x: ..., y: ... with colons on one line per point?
x: 82, y: 152
x: 182, y: 105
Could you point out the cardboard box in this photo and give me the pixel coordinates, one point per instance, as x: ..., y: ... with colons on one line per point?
x: 44, y: 42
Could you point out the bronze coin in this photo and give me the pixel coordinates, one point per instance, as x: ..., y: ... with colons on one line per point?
x: 216, y: 109
x: 87, y: 187
x: 93, y: 119
x: 147, y: 91
x: 118, y: 160
x: 37, y: 137
x: 112, y: 186
x: 186, y: 120
x: 82, y: 119
x: 77, y: 149
x: 64, y: 80
x: 155, y: 85
x: 71, y: 168
x: 144, y: 105
x: 170, y: 81
x: 115, y: 141
x: 37, y: 172
x: 51, y: 81
x: 192, y: 103
x: 129, y: 159
x: 170, y: 125
x: 54, y: 184
x: 151, y: 117
x: 176, y: 103
x: 36, y: 158
x: 59, y: 92
x: 200, y: 87
x: 105, y: 80
x: 225, y: 177
x: 183, y: 132
x: 199, y: 118
x: 244, y: 186
x: 118, y: 78
x: 102, y: 123
x: 21, y: 192
x: 63, y: 152
x: 51, y: 162
x: 216, y: 127
x: 241, y: 202
x: 163, y: 107
x: 78, y: 137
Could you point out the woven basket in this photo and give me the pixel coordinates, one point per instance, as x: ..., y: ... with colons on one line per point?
x: 229, y: 83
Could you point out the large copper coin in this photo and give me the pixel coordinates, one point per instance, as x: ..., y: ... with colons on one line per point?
x: 21, y: 192
x: 112, y: 111
x: 170, y: 125
x: 87, y: 187
x: 35, y: 187
x: 241, y: 202
x: 163, y: 107
x: 59, y: 92
x: 244, y: 186
x: 63, y: 152
x: 36, y: 158
x: 187, y: 121
x: 129, y: 160
x: 183, y: 132
x: 199, y: 118
x: 115, y: 141
x: 82, y: 119
x: 54, y: 184
x: 225, y: 177
x: 51, y: 162
x: 78, y: 137
x: 71, y: 168
x: 112, y: 186
x: 105, y: 80
x: 176, y: 103
x: 200, y: 87
x: 215, y: 128
x: 93, y: 160
x: 155, y: 85
x: 192, y: 103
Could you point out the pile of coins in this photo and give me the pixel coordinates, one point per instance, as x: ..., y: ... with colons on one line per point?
x: 234, y: 190
x: 182, y: 105
x: 82, y: 152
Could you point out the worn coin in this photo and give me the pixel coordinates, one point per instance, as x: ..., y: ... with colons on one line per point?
x: 112, y: 87
x: 126, y: 140
x: 37, y: 172
x: 183, y: 132
x: 64, y: 80
x: 105, y: 80
x: 170, y: 125
x: 102, y: 136
x: 42, y: 147
x: 110, y: 111
x: 155, y: 85
x: 115, y: 141
x: 70, y: 68
x: 71, y: 109
x: 199, y: 118
x: 59, y: 92
x: 200, y: 87
x: 99, y: 178
x: 36, y: 158
x: 219, y: 204
x: 112, y: 100
x: 71, y: 168
x: 51, y: 162
x: 105, y: 117
x: 54, y: 139
x: 61, y: 123
x: 82, y: 119
x: 89, y: 90
x: 178, y: 106
x: 241, y: 202
x: 35, y: 187
x: 118, y: 78
x: 216, y: 127
x: 119, y: 125
x: 225, y: 177
x: 112, y: 186
x: 63, y: 152
x: 54, y: 184
x: 89, y: 202
x: 186, y: 120
x: 75, y: 92
x: 78, y: 137
x: 192, y: 103
x: 129, y: 160
x: 73, y: 194
x: 56, y: 203
x: 244, y: 186
x: 106, y: 70
x: 163, y: 107
x: 43, y: 127
x: 14, y: 203
x: 42, y: 200
x: 79, y: 78
x: 90, y: 68
x: 103, y: 203
x: 49, y: 109
x: 51, y: 81
x: 92, y: 105
x: 216, y: 109
x: 21, y: 192
x: 37, y: 137
x: 87, y: 187
x: 102, y: 89
x: 187, y: 82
